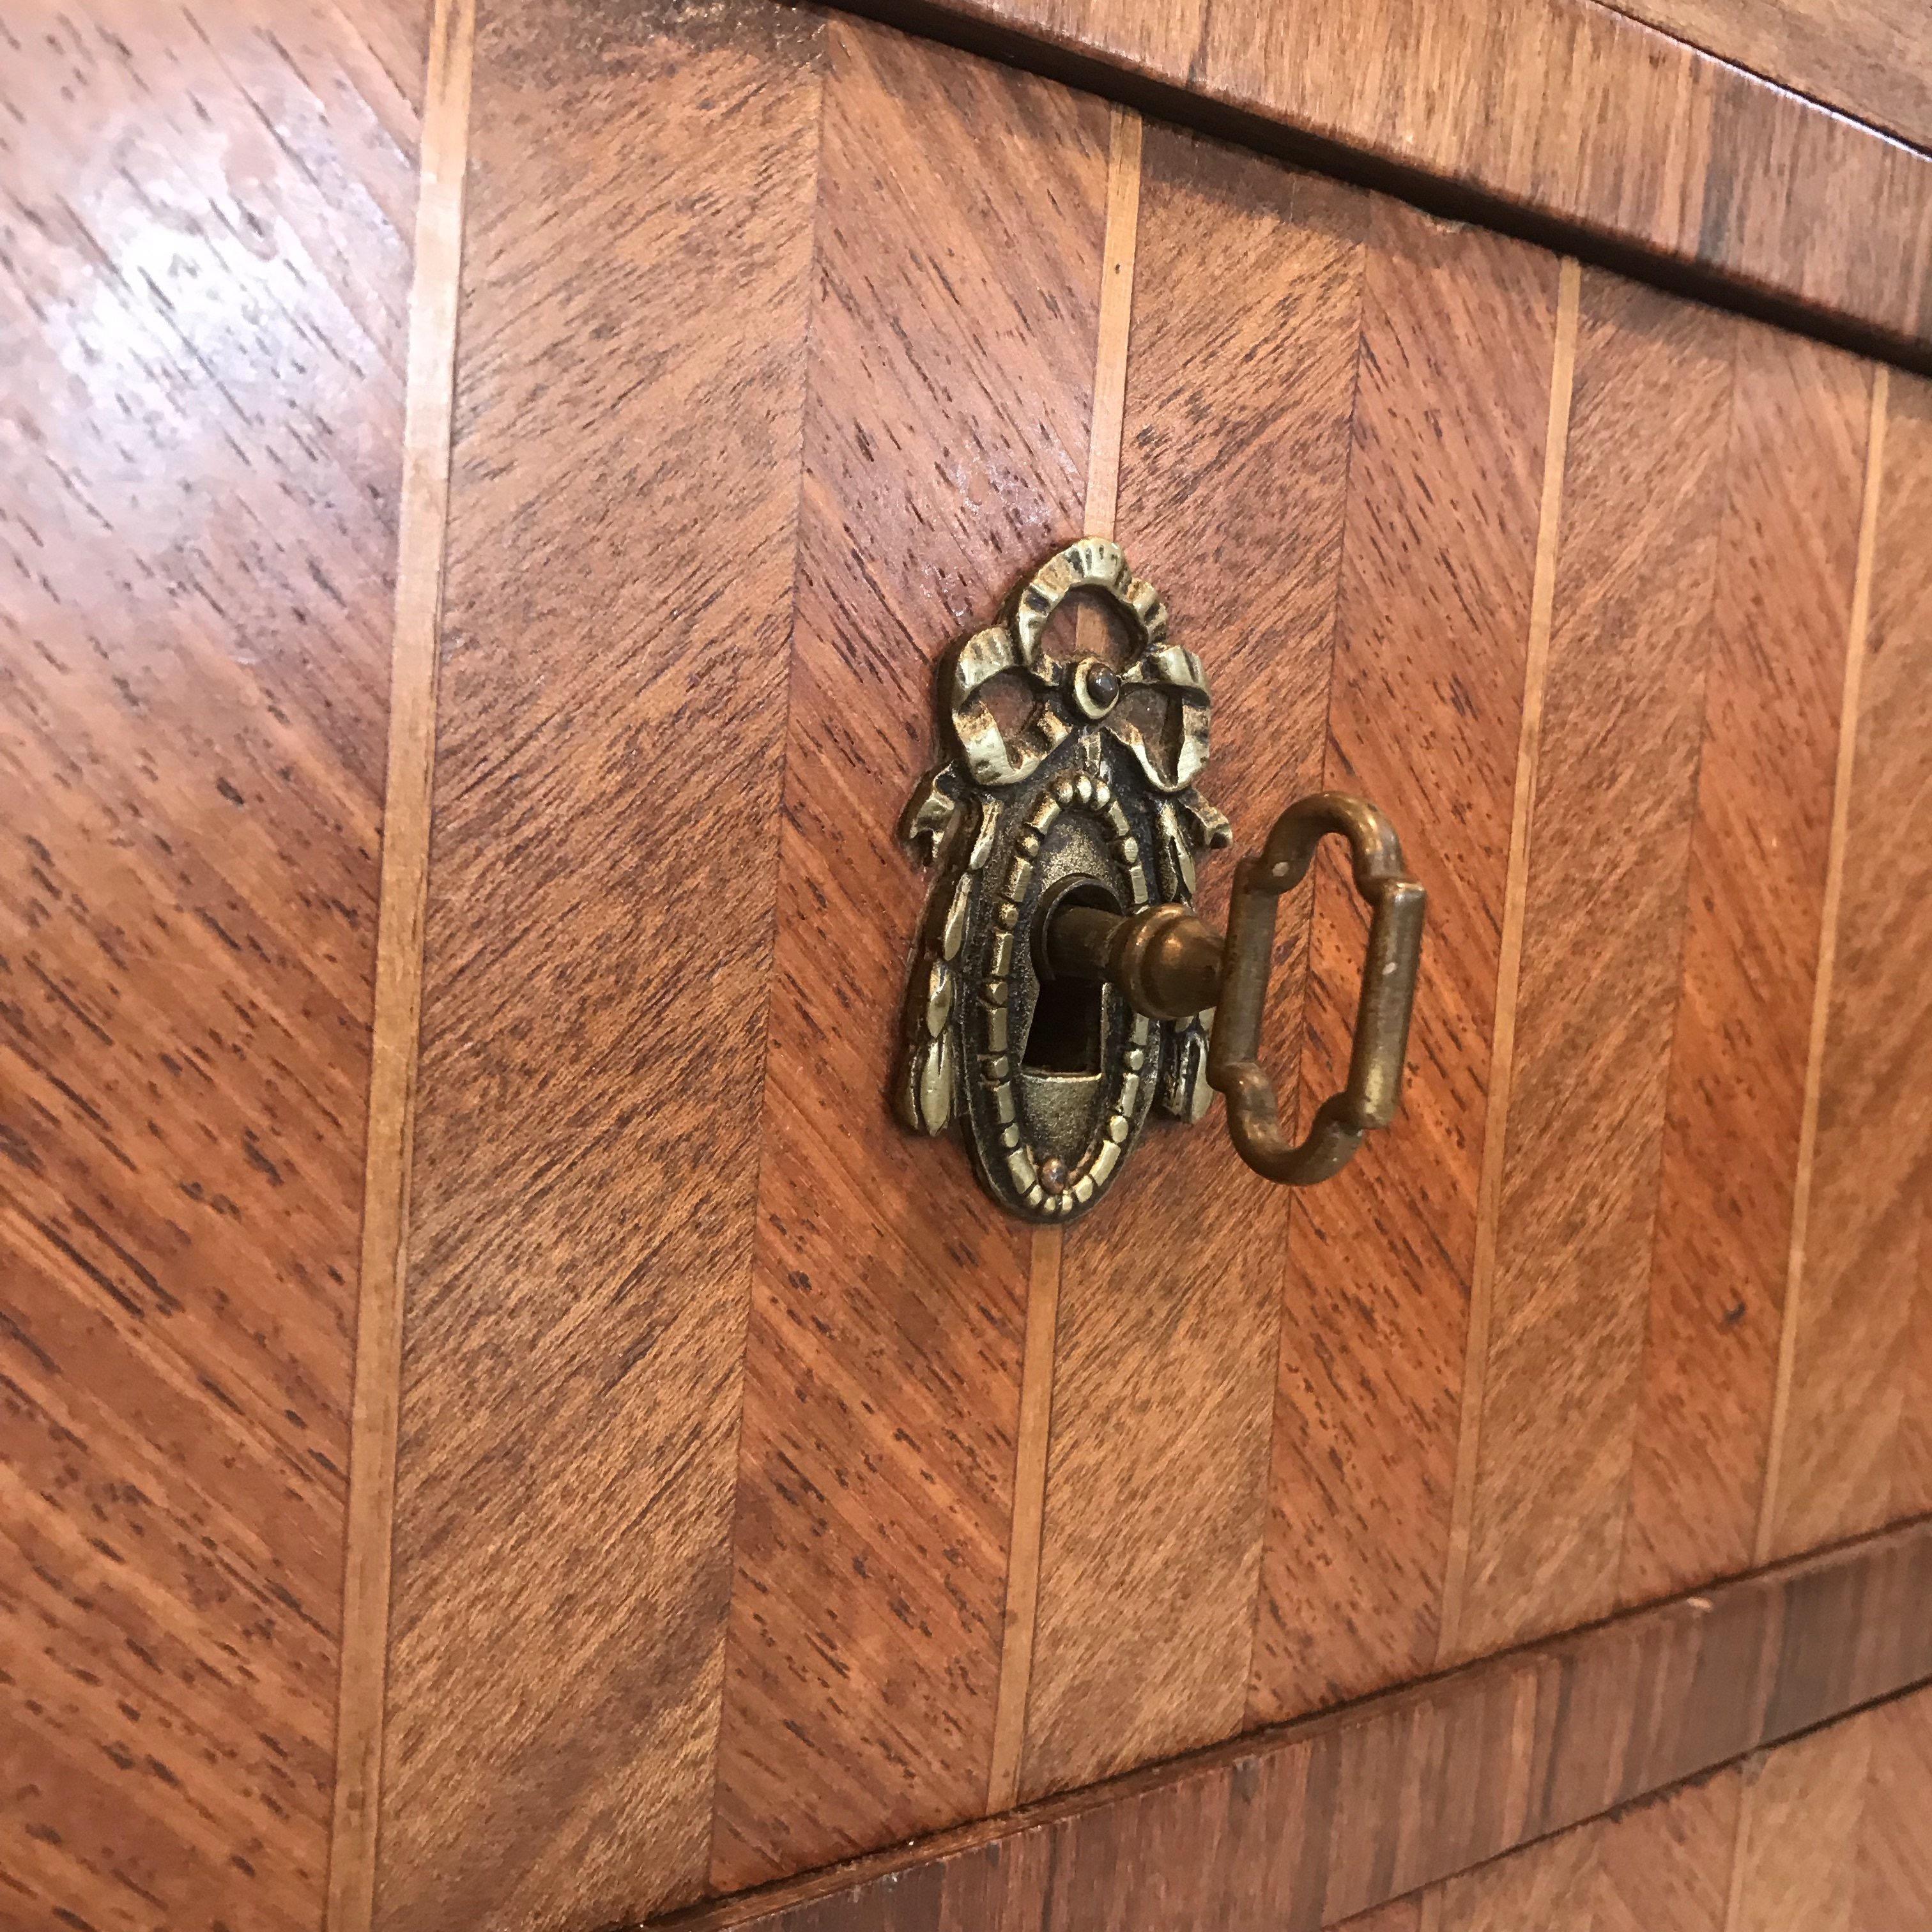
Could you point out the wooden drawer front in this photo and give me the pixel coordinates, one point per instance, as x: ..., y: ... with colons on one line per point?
x: 729, y: 1489
x: 859, y: 1510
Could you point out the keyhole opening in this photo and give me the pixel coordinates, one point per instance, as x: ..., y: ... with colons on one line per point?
x: 1068, y: 1018
x: 1068, y: 1031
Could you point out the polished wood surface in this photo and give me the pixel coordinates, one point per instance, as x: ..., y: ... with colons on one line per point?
x: 1870, y: 59
x: 1754, y: 913
x: 609, y: 748
x: 1564, y: 118
x: 1855, y: 1446
x: 1663, y: 1865
x: 205, y: 270
x: 396, y: 1025
x: 1400, y: 1915
x: 1796, y: 1864
x: 1614, y: 792
x: 759, y: 1497
x: 1832, y: 1839
x: 1510, y: 955
x: 1893, y: 1873
x: 955, y: 308
x: 1241, y: 372
x: 1457, y: 350
x: 1826, y: 1833
x: 1092, y: 634
x: 1315, y: 1823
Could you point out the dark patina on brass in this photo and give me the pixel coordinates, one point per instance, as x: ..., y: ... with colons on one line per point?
x: 1067, y: 782
x: 1063, y: 981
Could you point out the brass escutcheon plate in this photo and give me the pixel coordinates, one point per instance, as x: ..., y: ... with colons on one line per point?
x: 1063, y: 776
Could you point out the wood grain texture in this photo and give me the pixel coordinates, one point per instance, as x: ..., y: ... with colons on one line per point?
x: 1798, y: 1856
x: 1612, y: 817
x: 955, y: 296
x: 1870, y: 59
x: 1445, y: 481
x: 623, y: 509
x: 1662, y: 1865
x: 1509, y: 951
x: 1316, y: 1822
x: 1912, y: 1448
x: 1019, y: 1615
x: 204, y: 272
x: 1787, y: 555
x: 1564, y: 118
x: 396, y: 1023
x: 1400, y: 1915
x: 1241, y: 379
x: 1895, y: 1868
x: 1548, y: 1885
x: 1854, y: 1447
x: 1091, y: 637
x: 1833, y: 1835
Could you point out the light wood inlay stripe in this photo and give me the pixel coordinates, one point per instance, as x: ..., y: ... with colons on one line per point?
x: 423, y: 524
x: 1117, y: 309
x: 1029, y: 1500
x: 1311, y: 1824
x: 1495, y: 1138
x: 1828, y: 946
x: 1103, y: 479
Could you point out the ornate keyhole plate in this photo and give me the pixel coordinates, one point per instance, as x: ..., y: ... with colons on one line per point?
x: 1076, y: 778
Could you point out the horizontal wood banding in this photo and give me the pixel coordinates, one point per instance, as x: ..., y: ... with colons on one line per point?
x: 1309, y: 1825
x: 1571, y: 124
x: 1865, y: 58
x: 1663, y: 1865
x: 1825, y: 1833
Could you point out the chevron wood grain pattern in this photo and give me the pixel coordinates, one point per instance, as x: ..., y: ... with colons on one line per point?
x: 204, y: 280
x: 1612, y: 809
x: 1548, y: 1884
x: 1911, y: 1451
x: 606, y: 823
x: 1315, y: 1823
x: 1834, y: 1832
x: 408, y: 791
x: 1662, y: 1865
x: 1094, y: 634
x: 1241, y: 375
x: 1798, y: 1860
x: 1856, y: 1447
x: 960, y: 228
x: 1788, y: 548
x: 1445, y: 483
x: 1567, y: 118
x: 1827, y: 1833
x: 1894, y: 1878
